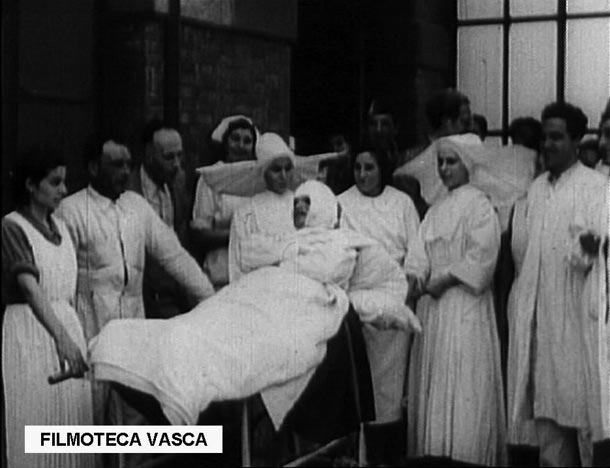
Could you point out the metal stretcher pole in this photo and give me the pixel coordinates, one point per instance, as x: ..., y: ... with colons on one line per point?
x: 245, y: 436
x: 335, y: 444
x: 354, y: 370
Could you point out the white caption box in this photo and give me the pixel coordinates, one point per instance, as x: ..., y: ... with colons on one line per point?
x: 123, y: 439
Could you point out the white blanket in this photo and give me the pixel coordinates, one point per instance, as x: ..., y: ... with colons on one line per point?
x: 265, y: 333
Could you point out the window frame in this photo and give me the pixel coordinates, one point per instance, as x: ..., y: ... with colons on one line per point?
x: 561, y: 18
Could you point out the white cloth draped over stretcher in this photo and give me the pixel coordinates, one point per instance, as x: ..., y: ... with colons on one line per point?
x: 265, y: 333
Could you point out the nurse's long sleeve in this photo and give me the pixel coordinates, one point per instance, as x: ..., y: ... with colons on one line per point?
x: 482, y: 237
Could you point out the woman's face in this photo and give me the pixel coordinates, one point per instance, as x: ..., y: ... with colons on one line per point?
x: 301, y: 208
x: 367, y: 174
x: 279, y: 174
x: 240, y: 145
x: 451, y: 169
x: 49, y: 191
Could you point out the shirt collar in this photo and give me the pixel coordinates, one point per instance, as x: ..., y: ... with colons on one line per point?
x: 565, y: 175
x: 101, y: 200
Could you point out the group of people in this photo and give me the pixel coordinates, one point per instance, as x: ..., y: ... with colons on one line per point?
x: 124, y: 282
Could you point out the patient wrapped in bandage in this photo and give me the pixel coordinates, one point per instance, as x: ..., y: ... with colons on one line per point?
x: 265, y: 333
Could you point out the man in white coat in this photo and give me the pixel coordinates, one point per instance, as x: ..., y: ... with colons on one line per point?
x: 113, y: 230
x: 558, y: 355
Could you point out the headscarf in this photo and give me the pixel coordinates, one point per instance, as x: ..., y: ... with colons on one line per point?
x: 504, y: 174
x: 512, y: 167
x: 269, y: 147
x: 323, y: 208
x: 246, y: 178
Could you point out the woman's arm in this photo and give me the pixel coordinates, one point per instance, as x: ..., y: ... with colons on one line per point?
x: 205, y: 232
x: 439, y: 283
x: 476, y: 267
x: 71, y: 362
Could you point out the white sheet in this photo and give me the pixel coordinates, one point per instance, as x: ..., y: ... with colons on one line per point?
x: 265, y: 333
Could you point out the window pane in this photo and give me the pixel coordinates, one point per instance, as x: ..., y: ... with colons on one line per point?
x: 584, y: 6
x: 480, y: 70
x: 472, y: 9
x: 588, y: 65
x: 533, y: 65
x: 529, y: 7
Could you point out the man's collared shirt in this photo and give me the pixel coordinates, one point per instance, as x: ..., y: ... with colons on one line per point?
x: 160, y: 198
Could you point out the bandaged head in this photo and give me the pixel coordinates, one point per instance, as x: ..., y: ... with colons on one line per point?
x: 323, y: 209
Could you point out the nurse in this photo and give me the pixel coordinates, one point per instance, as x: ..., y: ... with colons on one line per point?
x: 373, y: 208
x: 455, y: 400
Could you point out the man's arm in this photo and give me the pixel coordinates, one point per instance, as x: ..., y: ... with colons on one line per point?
x: 163, y: 245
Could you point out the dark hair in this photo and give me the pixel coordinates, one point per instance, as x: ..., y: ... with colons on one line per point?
x: 35, y: 164
x: 234, y: 125
x: 481, y: 121
x: 382, y: 158
x: 444, y: 105
x: 589, y: 144
x: 576, y: 120
x: 382, y: 106
x: 526, y: 131
x: 149, y: 130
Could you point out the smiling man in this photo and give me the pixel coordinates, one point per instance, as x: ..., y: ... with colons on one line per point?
x: 555, y: 365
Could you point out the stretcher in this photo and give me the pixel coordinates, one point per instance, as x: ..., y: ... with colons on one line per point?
x: 329, y: 415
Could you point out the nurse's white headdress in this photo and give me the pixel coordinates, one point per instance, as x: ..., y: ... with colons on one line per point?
x: 220, y: 130
x: 246, y: 178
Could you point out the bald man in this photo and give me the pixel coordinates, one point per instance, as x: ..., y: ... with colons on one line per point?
x: 160, y: 180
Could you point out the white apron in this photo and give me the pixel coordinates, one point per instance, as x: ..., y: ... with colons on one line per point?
x: 29, y: 356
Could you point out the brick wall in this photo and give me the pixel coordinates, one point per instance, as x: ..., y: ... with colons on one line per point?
x: 222, y: 72
x: 132, y: 77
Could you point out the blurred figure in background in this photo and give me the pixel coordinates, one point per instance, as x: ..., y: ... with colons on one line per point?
x: 336, y: 173
x: 382, y: 130
x: 604, y: 142
x: 527, y: 132
x: 588, y: 152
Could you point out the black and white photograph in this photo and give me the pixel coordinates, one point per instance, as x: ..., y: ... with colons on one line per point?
x: 341, y: 233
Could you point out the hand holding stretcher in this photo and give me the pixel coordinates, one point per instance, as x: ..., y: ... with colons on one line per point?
x: 64, y: 373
